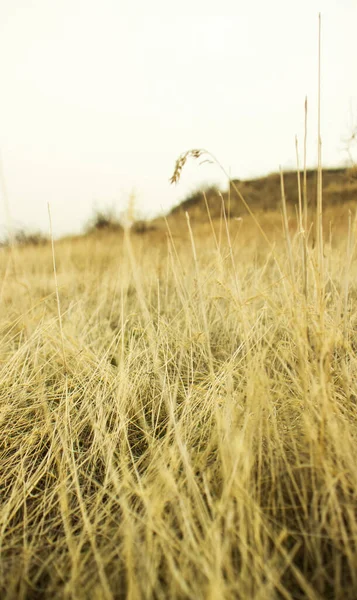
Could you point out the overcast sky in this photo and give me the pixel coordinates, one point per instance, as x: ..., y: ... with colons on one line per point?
x: 100, y: 97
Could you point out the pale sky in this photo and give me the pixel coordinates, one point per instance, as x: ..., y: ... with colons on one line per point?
x: 100, y: 97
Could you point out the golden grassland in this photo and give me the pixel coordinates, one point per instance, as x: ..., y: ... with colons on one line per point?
x: 187, y: 427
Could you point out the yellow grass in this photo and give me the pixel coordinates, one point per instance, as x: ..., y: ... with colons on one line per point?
x: 195, y: 436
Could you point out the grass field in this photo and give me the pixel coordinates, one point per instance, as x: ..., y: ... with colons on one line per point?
x: 188, y: 427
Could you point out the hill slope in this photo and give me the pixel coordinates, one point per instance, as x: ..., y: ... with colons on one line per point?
x: 339, y: 187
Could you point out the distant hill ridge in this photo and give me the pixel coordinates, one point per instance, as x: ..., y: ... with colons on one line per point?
x: 339, y: 186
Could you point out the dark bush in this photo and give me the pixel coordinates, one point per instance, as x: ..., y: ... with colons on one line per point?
x: 21, y: 237
x: 30, y: 238
x: 142, y: 226
x: 104, y: 220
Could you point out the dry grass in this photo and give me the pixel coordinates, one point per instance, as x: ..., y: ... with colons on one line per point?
x: 263, y: 193
x: 199, y: 441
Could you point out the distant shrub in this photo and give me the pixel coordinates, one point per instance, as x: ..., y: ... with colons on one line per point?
x: 142, y: 226
x: 21, y: 237
x: 30, y: 238
x: 104, y: 220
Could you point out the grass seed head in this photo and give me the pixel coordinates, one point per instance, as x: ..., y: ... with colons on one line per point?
x: 181, y: 161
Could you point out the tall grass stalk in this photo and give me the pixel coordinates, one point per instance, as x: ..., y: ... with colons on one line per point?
x: 349, y: 253
x: 302, y: 219
x: 59, y: 313
x: 287, y: 231
x: 305, y: 200
x: 319, y: 220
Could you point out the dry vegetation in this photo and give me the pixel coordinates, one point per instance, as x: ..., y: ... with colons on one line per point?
x: 263, y: 194
x: 190, y: 430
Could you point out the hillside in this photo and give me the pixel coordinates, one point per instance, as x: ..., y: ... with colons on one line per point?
x: 263, y: 193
